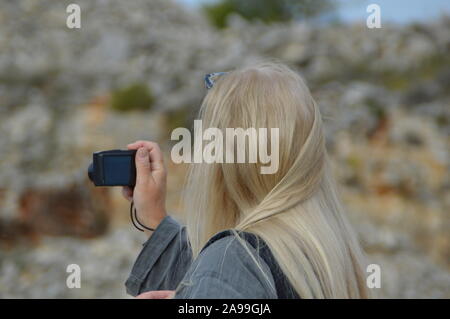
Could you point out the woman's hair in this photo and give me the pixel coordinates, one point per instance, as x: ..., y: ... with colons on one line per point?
x: 296, y: 210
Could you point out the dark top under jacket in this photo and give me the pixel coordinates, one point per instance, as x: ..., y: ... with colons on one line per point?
x: 223, y: 269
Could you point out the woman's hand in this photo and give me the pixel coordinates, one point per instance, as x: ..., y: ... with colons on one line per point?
x: 149, y: 194
x: 157, y: 294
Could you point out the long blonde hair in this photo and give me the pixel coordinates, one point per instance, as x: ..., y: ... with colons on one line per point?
x: 296, y: 210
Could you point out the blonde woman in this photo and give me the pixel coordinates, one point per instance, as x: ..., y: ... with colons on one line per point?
x: 250, y: 235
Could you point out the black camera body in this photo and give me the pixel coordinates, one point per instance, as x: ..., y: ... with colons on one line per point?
x: 113, y: 168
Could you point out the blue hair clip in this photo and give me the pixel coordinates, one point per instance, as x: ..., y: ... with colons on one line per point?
x: 211, y: 77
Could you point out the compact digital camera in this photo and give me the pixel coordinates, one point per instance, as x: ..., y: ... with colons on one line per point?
x: 113, y: 168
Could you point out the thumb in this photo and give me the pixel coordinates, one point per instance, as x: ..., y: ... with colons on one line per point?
x: 142, y: 161
x: 157, y: 294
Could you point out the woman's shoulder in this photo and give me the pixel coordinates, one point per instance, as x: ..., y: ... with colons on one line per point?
x: 226, y: 252
x: 233, y: 265
x: 250, y: 251
x: 238, y: 243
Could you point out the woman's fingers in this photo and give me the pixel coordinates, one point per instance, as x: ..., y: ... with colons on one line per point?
x: 127, y: 192
x: 138, y: 144
x: 157, y: 163
x: 155, y: 155
x: 143, y: 171
x: 149, y: 194
x: 157, y: 294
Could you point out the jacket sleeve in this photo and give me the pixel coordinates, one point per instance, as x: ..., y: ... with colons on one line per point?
x: 163, y: 261
x: 226, y: 269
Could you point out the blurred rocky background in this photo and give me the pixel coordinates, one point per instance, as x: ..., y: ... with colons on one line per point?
x: 135, y: 71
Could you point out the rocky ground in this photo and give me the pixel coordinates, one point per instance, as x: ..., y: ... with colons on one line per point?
x: 384, y: 95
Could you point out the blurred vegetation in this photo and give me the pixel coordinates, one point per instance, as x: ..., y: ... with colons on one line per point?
x: 267, y: 11
x: 137, y: 96
x: 426, y: 70
x: 178, y: 118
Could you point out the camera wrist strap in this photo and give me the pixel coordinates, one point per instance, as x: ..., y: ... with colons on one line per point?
x: 134, y: 219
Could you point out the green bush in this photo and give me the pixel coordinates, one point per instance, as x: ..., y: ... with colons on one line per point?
x: 134, y: 97
x: 218, y: 13
x: 265, y: 10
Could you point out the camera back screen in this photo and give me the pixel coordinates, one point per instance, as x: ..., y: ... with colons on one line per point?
x: 117, y: 170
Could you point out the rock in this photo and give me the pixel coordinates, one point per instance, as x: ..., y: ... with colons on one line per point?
x: 105, y: 264
x: 78, y: 210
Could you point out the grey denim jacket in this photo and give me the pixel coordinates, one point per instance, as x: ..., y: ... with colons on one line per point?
x: 223, y: 270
